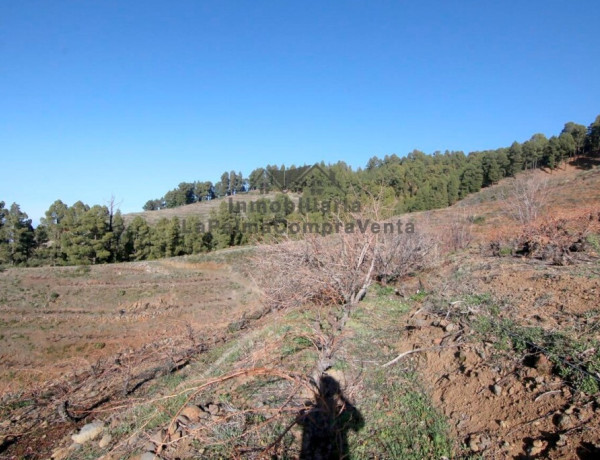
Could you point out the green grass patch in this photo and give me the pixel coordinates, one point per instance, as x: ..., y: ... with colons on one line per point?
x: 576, y: 358
x: 294, y: 345
x: 478, y: 220
x: 505, y: 251
x: 400, y: 420
x: 593, y: 240
x: 419, y: 296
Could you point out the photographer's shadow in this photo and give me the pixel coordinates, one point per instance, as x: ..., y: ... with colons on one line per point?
x: 326, y: 423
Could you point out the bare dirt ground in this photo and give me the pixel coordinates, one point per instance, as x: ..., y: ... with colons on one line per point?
x: 202, y: 209
x: 55, y: 320
x: 514, y: 331
x: 491, y: 353
x: 73, y: 339
x: 503, y: 400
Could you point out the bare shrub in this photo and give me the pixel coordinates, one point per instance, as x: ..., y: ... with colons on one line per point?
x: 339, y: 268
x: 559, y: 239
x: 525, y: 198
x: 399, y: 254
x: 320, y: 270
x: 459, y: 234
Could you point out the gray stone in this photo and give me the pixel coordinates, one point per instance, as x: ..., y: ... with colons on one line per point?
x: 88, y: 432
x: 451, y: 327
x: 149, y: 456
x: 61, y: 453
x: 158, y: 437
x: 105, y: 441
x: 214, y: 409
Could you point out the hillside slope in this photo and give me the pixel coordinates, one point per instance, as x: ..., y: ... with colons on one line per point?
x: 490, y: 352
x: 201, y: 209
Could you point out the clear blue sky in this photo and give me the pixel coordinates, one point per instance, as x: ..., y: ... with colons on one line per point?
x: 129, y: 98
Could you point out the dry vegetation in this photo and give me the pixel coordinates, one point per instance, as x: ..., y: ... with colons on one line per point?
x: 201, y: 209
x: 475, y: 337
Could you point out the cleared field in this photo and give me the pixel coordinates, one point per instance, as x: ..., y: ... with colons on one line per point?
x: 480, y: 355
x: 201, y: 209
x: 55, y: 320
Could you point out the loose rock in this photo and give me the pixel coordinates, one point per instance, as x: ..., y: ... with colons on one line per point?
x: 563, y: 421
x: 158, y: 437
x: 569, y: 410
x: 214, y: 409
x: 88, y: 432
x: 149, y: 456
x: 474, y: 443
x: 193, y: 413
x: 60, y: 454
x: 451, y: 327
x: 543, y: 365
x: 105, y: 441
x: 536, y: 448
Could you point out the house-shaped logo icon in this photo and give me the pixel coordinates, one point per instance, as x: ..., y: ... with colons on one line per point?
x: 314, y: 177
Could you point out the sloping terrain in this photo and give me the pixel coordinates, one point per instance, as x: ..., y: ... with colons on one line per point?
x: 492, y: 352
x: 56, y: 319
x: 75, y: 338
x: 201, y: 209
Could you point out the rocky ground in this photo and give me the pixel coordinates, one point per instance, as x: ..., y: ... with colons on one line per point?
x: 492, y: 352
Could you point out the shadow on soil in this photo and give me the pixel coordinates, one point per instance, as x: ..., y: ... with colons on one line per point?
x: 588, y: 451
x: 326, y: 423
x: 586, y: 162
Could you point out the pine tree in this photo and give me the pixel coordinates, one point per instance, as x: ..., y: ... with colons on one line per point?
x: 191, y: 235
x: 224, y: 185
x: 203, y: 190
x: 567, y: 145
x: 74, y: 241
x: 228, y: 232
x: 593, y: 136
x: 503, y: 162
x: 471, y: 178
x: 154, y: 205
x: 53, y: 222
x: 491, y: 170
x: 453, y: 189
x: 533, y: 149
x: 42, y: 253
x: 117, y: 246
x: 239, y: 182
x: 138, y: 239
x: 578, y: 133
x: 174, y: 245
x: 95, y: 226
x: 258, y: 180
x: 4, y: 252
x: 552, y: 153
x: 19, y: 235
x: 515, y: 158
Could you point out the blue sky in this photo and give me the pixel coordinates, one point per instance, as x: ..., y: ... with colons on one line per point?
x: 101, y: 98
